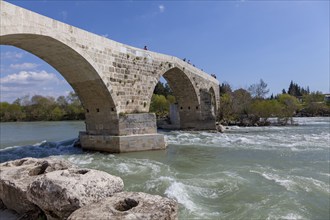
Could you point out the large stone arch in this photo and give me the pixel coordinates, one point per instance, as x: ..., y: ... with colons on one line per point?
x: 81, y: 74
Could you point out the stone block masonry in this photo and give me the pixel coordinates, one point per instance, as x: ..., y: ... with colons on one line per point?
x: 114, y: 81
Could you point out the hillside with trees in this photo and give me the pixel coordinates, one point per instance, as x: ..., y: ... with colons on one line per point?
x: 251, y: 107
x: 40, y: 108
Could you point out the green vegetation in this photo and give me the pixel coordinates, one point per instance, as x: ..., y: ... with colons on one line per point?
x: 250, y: 107
x: 161, y: 100
x: 239, y: 107
x: 40, y: 108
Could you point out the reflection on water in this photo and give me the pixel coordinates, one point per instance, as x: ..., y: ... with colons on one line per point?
x: 245, y: 173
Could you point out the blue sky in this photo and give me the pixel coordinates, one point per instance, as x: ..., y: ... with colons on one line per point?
x: 239, y: 41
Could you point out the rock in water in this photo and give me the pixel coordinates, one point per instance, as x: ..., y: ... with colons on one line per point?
x: 129, y: 205
x: 16, y: 175
x: 220, y: 128
x: 60, y: 193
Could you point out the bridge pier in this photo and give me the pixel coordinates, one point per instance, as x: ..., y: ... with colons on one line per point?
x: 136, y: 132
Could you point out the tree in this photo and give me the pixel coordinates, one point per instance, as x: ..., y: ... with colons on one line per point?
x: 171, y: 99
x: 313, y: 97
x: 289, y: 106
x: 74, y: 110
x: 40, y: 108
x: 314, y: 104
x: 163, y: 89
x: 259, y: 90
x: 4, y: 111
x: 159, y: 105
x: 159, y: 89
x: 264, y: 109
x: 56, y: 114
x: 226, y: 108
x: 62, y: 101
x: 241, y: 102
x: 296, y: 90
x: 225, y: 88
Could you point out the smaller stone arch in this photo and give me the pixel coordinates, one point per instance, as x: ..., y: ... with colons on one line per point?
x: 214, y: 106
x: 208, y: 107
x: 187, y: 103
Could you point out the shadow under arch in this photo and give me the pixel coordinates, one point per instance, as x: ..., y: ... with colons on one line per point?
x: 187, y: 103
x: 79, y: 73
x: 213, y: 106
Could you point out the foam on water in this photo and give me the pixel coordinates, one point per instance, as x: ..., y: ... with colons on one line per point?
x: 179, y: 192
x: 41, y: 149
x: 81, y: 161
x: 259, y: 138
x: 289, y: 216
x: 185, y: 194
x: 288, y: 184
x: 293, y: 183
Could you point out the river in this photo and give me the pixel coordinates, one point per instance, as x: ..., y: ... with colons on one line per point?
x: 245, y: 173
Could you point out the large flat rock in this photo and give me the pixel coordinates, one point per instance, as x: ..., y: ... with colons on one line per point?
x: 15, y: 177
x: 129, y: 206
x: 60, y: 193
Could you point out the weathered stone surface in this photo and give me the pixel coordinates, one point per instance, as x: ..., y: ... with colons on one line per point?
x: 18, y: 174
x: 59, y: 193
x: 132, y: 124
x: 220, y: 128
x: 119, y: 144
x: 129, y: 205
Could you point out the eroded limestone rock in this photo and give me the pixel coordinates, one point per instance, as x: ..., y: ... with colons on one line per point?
x: 16, y: 175
x: 220, y: 128
x: 129, y: 205
x: 59, y: 193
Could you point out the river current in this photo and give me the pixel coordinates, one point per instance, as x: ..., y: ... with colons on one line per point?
x: 244, y: 173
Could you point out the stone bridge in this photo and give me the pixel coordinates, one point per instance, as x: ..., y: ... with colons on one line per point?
x: 114, y: 81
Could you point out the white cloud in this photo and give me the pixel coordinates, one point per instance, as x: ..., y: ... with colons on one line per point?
x: 11, y: 55
x: 29, y: 78
x: 161, y: 8
x: 23, y: 66
x: 17, y: 85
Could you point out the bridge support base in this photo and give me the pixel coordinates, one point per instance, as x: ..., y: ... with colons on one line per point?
x: 121, y: 144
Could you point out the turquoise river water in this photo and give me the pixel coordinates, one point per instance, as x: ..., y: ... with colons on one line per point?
x: 245, y: 173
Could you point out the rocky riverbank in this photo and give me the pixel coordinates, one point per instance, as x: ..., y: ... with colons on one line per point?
x: 54, y: 189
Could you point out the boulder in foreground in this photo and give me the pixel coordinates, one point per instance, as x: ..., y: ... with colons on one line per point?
x: 60, y: 193
x: 129, y: 205
x: 15, y: 177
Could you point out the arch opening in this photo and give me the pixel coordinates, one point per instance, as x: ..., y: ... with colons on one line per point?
x: 208, y: 104
x: 185, y: 110
x: 100, y: 109
x: 213, y: 105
